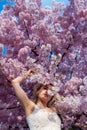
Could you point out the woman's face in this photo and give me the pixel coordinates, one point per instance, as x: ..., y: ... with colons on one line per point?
x: 43, y: 95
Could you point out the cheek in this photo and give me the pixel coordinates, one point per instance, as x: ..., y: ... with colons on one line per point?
x: 41, y: 94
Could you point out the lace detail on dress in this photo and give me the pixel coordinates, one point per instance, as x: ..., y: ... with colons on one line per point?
x: 40, y: 119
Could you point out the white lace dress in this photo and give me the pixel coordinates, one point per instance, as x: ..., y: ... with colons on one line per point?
x: 40, y: 119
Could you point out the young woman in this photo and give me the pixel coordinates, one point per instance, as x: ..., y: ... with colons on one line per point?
x: 39, y: 115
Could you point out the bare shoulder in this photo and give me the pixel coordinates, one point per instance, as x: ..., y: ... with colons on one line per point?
x: 52, y: 109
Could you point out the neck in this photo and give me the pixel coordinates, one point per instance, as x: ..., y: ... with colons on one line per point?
x: 41, y: 104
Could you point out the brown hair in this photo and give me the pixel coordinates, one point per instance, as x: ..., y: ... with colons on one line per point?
x: 38, y: 87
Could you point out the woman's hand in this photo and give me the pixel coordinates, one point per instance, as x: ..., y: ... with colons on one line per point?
x: 30, y: 72
x: 20, y: 79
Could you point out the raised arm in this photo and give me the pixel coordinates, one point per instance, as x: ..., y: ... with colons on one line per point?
x: 27, y: 104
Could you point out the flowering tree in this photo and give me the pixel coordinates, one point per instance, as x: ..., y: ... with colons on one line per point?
x: 54, y: 42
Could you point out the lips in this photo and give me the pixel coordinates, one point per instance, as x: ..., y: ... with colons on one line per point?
x: 46, y: 95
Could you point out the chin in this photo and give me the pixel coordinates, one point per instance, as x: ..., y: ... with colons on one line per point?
x: 45, y: 99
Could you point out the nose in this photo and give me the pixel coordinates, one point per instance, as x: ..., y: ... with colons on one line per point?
x: 46, y: 91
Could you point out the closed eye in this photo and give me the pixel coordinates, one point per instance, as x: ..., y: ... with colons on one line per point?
x: 46, y: 88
